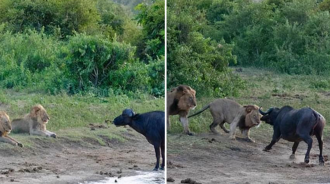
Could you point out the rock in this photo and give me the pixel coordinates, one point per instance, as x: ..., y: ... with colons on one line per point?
x: 57, y: 176
x: 169, y: 179
x: 12, y: 180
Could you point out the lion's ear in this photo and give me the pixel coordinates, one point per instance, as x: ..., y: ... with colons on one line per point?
x: 36, y: 109
x: 249, y: 108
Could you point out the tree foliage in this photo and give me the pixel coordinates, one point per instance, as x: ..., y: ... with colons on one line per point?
x: 194, y: 59
x: 80, y: 46
x: 290, y: 36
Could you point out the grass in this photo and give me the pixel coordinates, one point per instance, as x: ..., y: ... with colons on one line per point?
x: 70, y: 116
x: 267, y: 89
x: 76, y: 111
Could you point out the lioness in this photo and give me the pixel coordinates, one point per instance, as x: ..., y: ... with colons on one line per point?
x: 5, y: 128
x: 225, y: 110
x: 179, y: 101
x: 33, y: 123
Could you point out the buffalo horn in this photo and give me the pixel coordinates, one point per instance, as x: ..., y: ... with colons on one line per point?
x: 264, y: 113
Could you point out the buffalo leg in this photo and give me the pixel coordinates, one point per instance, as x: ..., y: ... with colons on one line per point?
x: 319, y: 139
x: 294, y: 148
x: 156, y: 146
x: 163, y: 155
x: 276, y: 137
x: 309, y: 142
x: 269, y: 147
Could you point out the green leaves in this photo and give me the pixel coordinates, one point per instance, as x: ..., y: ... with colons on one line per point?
x: 194, y: 58
x: 152, y: 18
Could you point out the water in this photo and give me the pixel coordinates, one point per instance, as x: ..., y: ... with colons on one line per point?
x: 140, y: 178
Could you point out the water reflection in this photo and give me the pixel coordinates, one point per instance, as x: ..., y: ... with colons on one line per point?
x: 140, y: 178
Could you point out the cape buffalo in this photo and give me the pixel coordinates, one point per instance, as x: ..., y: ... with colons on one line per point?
x: 151, y: 125
x: 295, y: 125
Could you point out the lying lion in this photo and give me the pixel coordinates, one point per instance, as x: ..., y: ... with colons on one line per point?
x: 225, y: 110
x: 5, y: 128
x: 33, y: 123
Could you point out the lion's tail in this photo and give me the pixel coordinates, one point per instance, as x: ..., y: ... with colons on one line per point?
x: 203, y: 109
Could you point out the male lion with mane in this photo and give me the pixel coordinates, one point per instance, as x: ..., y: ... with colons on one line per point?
x: 179, y: 101
x: 225, y: 110
x: 33, y: 123
x: 5, y: 128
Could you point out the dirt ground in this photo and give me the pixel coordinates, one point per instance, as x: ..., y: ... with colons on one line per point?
x: 208, y: 158
x: 67, y: 161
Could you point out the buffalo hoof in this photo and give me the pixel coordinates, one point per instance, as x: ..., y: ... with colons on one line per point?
x: 306, y: 160
x: 266, y: 149
x: 162, y: 168
x: 20, y: 145
x: 321, y: 163
x: 53, y: 135
x: 293, y: 156
x: 155, y: 169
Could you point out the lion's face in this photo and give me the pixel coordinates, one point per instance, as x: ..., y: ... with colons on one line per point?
x: 188, y: 99
x: 40, y: 113
x: 252, y: 118
x: 5, y: 124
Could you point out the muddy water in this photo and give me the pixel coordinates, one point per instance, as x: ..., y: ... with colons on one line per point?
x: 140, y: 178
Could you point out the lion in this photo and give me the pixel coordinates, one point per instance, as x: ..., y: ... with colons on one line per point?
x: 5, y: 128
x: 179, y: 101
x: 33, y: 123
x: 225, y: 110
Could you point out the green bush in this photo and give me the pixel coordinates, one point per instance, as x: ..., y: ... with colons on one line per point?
x: 290, y: 36
x: 91, y: 59
x: 81, y: 46
x: 194, y: 59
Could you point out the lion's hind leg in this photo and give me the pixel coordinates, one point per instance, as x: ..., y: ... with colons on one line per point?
x: 217, y: 120
x: 223, y: 127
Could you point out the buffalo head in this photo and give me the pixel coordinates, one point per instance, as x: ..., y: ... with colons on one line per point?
x: 268, y: 115
x: 125, y: 118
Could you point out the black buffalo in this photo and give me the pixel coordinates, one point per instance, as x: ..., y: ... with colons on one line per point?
x: 295, y: 125
x: 151, y: 125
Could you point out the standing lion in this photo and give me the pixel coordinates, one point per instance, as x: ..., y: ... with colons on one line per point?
x: 34, y: 123
x: 231, y: 112
x: 5, y: 128
x: 179, y: 101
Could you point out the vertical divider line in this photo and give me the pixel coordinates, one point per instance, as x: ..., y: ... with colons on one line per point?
x: 165, y: 90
